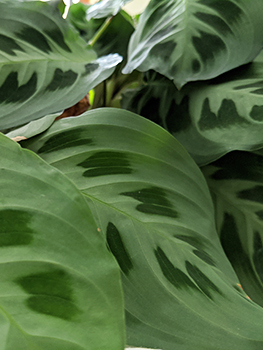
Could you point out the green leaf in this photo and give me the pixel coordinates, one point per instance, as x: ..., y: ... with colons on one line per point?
x: 189, y: 40
x: 60, y: 287
x: 221, y: 115
x: 105, y: 8
x: 45, y: 66
x: 152, y: 203
x: 236, y: 183
x: 34, y: 128
x: 112, y: 39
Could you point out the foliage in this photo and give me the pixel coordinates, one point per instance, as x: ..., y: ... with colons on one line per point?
x: 139, y: 225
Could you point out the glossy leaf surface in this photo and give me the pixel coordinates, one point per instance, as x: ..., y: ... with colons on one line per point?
x: 236, y: 183
x: 60, y: 287
x: 105, y: 8
x: 45, y: 66
x: 189, y: 40
x: 153, y: 205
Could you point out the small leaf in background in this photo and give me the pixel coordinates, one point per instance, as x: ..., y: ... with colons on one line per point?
x: 193, y: 40
x: 105, y: 8
x: 151, y: 202
x: 46, y: 67
x: 236, y: 184
x: 60, y: 287
x: 77, y: 109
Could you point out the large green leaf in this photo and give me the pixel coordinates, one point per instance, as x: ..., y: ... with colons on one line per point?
x: 60, y: 287
x: 236, y: 183
x: 224, y: 114
x: 188, y: 40
x: 45, y: 66
x: 151, y: 201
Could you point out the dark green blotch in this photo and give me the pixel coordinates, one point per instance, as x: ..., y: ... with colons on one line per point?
x: 258, y: 84
x: 66, y: 139
x: 232, y: 245
x: 51, y: 293
x: 154, y: 201
x: 232, y: 167
x: 208, y: 46
x: 62, y: 80
x: 258, y: 254
x: 10, y: 92
x: 15, y: 228
x: 192, y: 240
x: 203, y: 282
x: 8, y: 45
x: 225, y: 8
x: 35, y: 38
x: 214, y: 21
x: 90, y: 68
x: 256, y: 113
x: 118, y: 249
x: 106, y: 163
x: 178, y: 118
x: 201, y: 254
x: 174, y: 275
x: 260, y: 214
x: 226, y: 116
x: 196, y: 66
x: 254, y: 194
x: 163, y: 51
x: 57, y: 36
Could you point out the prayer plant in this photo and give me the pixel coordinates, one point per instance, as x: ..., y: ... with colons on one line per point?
x: 138, y: 222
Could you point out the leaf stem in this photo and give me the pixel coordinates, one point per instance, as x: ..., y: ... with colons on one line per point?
x: 100, y: 31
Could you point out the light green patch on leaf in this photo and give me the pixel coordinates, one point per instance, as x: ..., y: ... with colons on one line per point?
x: 179, y: 287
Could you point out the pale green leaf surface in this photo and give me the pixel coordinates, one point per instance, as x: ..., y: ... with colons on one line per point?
x: 60, y: 288
x: 189, y: 40
x: 151, y: 201
x: 221, y: 115
x: 236, y: 184
x: 34, y: 128
x: 105, y: 8
x: 45, y: 66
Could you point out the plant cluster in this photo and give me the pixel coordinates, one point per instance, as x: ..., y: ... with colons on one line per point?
x: 131, y: 210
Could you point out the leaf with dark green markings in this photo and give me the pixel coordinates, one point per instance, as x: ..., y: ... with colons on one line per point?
x: 60, y: 287
x: 45, y: 66
x: 152, y: 203
x: 105, y: 8
x: 236, y: 183
x: 189, y: 40
x: 218, y: 116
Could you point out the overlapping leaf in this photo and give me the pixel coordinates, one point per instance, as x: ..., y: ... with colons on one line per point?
x: 236, y: 182
x: 188, y: 40
x: 114, y: 39
x: 152, y: 203
x: 44, y: 65
x: 59, y: 286
x: 105, y: 8
x: 223, y: 114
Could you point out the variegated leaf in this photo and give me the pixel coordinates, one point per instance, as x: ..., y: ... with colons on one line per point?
x: 45, y: 66
x: 236, y: 183
x: 153, y: 205
x: 60, y: 288
x: 224, y: 114
x: 105, y: 8
x: 189, y: 40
